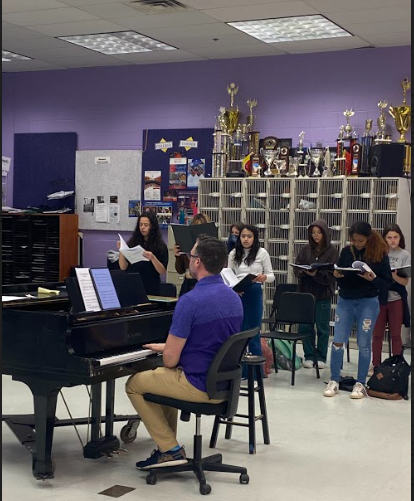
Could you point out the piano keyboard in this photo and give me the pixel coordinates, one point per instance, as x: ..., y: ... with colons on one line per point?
x: 124, y: 357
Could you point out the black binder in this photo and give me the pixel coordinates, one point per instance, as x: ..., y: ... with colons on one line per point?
x: 129, y: 287
x: 186, y: 236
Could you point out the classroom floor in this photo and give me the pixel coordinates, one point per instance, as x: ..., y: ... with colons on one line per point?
x: 322, y: 449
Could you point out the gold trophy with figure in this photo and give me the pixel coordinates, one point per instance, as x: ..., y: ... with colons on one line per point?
x: 251, y: 103
x: 232, y: 114
x: 402, y: 114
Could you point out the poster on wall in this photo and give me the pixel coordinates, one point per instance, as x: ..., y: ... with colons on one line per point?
x: 196, y: 171
x: 185, y: 207
x: 170, y: 196
x: 178, y: 172
x: 134, y: 208
x: 89, y: 205
x: 163, y: 211
x: 152, y: 185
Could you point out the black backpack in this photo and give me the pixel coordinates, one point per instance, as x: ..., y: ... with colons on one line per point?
x: 391, y: 377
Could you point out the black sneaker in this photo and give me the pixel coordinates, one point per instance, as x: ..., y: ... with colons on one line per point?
x: 159, y: 459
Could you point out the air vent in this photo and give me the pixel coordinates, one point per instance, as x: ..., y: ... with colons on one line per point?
x: 158, y: 6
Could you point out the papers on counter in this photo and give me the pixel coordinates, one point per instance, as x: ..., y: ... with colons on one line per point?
x: 132, y: 255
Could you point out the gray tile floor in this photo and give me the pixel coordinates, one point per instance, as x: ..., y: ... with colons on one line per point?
x: 321, y: 449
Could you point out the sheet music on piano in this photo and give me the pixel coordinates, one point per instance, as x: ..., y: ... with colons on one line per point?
x: 87, y: 289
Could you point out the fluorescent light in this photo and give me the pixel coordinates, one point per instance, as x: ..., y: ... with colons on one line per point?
x: 122, y: 42
x: 11, y: 56
x: 291, y: 29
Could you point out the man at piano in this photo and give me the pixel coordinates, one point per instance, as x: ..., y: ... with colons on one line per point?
x: 203, y: 319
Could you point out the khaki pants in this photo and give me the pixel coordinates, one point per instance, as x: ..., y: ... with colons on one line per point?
x: 160, y: 420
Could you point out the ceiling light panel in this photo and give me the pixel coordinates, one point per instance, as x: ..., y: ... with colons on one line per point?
x: 122, y: 42
x: 11, y: 56
x: 291, y: 29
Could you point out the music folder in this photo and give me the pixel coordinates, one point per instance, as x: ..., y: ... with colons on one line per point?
x: 186, y: 236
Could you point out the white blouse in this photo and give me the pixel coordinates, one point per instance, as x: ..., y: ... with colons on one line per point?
x: 261, y: 264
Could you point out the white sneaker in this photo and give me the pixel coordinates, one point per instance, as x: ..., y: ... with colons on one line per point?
x: 331, y: 389
x: 308, y: 364
x: 321, y: 364
x: 359, y: 391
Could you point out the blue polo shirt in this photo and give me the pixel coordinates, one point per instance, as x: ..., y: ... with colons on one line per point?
x: 206, y: 317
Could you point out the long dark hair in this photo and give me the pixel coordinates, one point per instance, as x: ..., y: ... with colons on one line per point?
x: 254, y: 249
x: 376, y: 247
x: 317, y: 249
x: 155, y: 241
x: 397, y: 229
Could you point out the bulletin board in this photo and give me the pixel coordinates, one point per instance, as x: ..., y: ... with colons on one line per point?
x: 44, y: 163
x: 171, y: 182
x: 107, y: 174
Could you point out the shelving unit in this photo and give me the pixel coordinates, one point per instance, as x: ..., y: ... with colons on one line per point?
x: 38, y: 247
x: 283, y: 208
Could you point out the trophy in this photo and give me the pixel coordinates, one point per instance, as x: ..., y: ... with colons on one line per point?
x: 251, y: 103
x: 348, y: 127
x: 232, y: 114
x: 368, y: 128
x: 293, y: 167
x: 381, y: 122
x: 221, y: 149
x: 270, y: 153
x: 301, y: 138
x: 327, y: 170
x: 315, y: 155
x: 402, y: 114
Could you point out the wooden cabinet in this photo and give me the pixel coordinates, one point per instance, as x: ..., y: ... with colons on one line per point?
x: 38, y: 247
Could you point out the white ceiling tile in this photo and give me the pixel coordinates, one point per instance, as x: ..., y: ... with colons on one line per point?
x: 80, y: 28
x: 9, y: 6
x: 159, y: 57
x: 205, y: 42
x: 403, y: 38
x: 87, y: 57
x: 238, y: 52
x: 13, y: 32
x: 364, y: 29
x: 112, y: 10
x: 261, y: 11
x: 36, y: 43
x: 184, y: 20
x: 56, y: 54
x: 32, y: 65
x: 80, y: 3
x: 213, y: 4
x: 51, y: 16
x: 213, y: 30
x: 320, y: 45
x: 326, y: 6
x: 368, y: 16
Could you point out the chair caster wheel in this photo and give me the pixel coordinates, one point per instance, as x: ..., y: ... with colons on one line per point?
x: 151, y: 479
x: 205, y: 489
x: 129, y: 431
x: 244, y: 478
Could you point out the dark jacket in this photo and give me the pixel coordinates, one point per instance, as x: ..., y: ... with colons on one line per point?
x: 402, y: 291
x: 356, y: 287
x: 322, y: 285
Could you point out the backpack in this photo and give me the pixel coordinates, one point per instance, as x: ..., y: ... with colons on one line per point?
x: 390, y: 379
x: 283, y: 350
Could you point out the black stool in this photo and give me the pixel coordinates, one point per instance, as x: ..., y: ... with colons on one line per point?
x: 254, y: 365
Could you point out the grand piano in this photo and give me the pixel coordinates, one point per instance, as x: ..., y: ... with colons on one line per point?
x: 48, y: 347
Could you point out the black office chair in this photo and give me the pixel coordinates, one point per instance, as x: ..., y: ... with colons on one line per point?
x: 223, y: 383
x: 280, y: 289
x: 294, y: 308
x: 168, y: 290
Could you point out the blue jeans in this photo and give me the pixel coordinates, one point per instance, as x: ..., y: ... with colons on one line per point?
x: 252, y: 301
x: 364, y: 313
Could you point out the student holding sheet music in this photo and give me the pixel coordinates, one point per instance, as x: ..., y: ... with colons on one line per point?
x: 147, y: 234
x: 395, y: 311
x: 182, y: 261
x: 359, y: 302
x: 320, y: 283
x: 249, y: 257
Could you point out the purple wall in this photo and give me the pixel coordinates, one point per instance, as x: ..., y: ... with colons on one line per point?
x: 110, y: 107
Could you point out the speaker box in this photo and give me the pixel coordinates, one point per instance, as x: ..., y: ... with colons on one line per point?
x: 387, y: 160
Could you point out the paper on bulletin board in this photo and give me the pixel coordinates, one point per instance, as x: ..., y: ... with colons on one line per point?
x: 152, y: 185
x: 178, y: 173
x: 114, y: 213
x: 101, y: 213
x: 163, y: 211
x: 196, y: 170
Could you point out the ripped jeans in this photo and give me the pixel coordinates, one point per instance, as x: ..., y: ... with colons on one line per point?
x: 363, y: 313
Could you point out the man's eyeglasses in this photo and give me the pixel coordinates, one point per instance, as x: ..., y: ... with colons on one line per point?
x: 192, y: 256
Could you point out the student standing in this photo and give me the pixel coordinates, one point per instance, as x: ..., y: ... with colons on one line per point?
x: 358, y: 302
x: 396, y: 310
x: 147, y: 234
x: 234, y: 235
x: 321, y: 284
x: 249, y: 257
x: 182, y: 261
